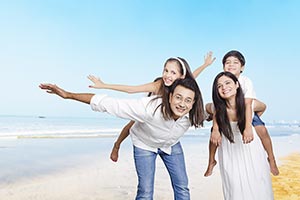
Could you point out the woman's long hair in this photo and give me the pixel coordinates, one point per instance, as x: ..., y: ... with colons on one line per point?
x: 221, y: 108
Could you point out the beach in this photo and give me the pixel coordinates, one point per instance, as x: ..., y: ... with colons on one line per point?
x: 80, y: 168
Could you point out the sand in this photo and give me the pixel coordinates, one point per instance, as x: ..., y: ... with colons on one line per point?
x: 95, y: 177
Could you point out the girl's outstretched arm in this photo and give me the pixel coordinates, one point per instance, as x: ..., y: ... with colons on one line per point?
x: 208, y: 60
x: 152, y: 87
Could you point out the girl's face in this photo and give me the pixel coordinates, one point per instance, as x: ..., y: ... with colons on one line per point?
x: 181, y: 101
x: 233, y: 65
x: 227, y: 88
x: 171, y: 73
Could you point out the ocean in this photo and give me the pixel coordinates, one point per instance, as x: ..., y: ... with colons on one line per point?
x: 102, y: 126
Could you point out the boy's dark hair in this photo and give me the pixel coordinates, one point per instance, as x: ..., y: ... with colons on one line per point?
x: 236, y: 54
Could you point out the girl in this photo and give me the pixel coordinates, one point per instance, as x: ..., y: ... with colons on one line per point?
x: 174, y: 68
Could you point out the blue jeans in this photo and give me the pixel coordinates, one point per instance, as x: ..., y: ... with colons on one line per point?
x: 145, y: 168
x: 256, y: 121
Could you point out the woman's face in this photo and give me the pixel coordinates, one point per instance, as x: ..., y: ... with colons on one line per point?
x: 181, y: 101
x: 233, y: 65
x: 227, y: 88
x: 171, y: 73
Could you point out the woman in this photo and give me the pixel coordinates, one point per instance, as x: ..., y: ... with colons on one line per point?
x: 244, y: 167
x: 157, y: 129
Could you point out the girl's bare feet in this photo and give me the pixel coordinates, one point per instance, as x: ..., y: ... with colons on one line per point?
x: 114, y: 155
x: 273, y: 167
x: 210, y: 168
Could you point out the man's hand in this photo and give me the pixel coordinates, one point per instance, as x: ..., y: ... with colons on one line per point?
x: 54, y: 89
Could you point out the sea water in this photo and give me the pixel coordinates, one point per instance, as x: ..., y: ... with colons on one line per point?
x: 67, y: 127
x: 102, y: 126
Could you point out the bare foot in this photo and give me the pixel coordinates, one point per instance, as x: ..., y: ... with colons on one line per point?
x: 114, y: 155
x: 210, y: 168
x: 273, y: 167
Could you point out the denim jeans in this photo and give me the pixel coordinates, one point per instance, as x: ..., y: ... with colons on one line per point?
x: 256, y: 121
x: 145, y: 168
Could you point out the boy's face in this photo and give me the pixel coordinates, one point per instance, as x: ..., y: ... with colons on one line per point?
x: 233, y: 65
x: 181, y: 101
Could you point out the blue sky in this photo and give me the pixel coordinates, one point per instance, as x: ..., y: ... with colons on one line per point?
x: 127, y: 42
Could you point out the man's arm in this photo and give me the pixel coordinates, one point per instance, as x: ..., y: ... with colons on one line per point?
x: 54, y: 89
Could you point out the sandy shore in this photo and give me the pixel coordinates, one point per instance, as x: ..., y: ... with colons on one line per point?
x: 95, y: 177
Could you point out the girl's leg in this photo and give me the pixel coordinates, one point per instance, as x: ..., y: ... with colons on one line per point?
x: 114, y: 155
x: 211, y: 159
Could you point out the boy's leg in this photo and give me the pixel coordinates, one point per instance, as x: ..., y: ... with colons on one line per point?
x: 265, y: 138
x: 211, y: 159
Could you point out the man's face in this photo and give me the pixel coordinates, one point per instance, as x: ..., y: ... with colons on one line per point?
x: 181, y: 101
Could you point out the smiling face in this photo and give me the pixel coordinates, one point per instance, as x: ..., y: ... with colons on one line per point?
x: 171, y: 73
x: 227, y: 88
x: 181, y: 101
x: 233, y: 65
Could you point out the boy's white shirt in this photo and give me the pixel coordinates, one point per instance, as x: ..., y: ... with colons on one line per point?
x: 247, y: 87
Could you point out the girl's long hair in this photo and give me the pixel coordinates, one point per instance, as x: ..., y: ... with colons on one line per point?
x: 221, y: 108
x: 164, y: 90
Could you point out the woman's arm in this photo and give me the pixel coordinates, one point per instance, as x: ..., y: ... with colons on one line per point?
x: 208, y: 60
x: 149, y: 87
x: 248, y: 133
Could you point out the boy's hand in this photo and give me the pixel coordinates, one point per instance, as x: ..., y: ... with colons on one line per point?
x: 247, y: 135
x: 215, y: 137
x: 97, y: 82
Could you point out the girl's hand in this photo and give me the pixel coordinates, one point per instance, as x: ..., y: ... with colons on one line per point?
x: 97, y: 82
x: 209, y: 59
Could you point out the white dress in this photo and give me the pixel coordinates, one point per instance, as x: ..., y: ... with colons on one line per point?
x: 244, y: 168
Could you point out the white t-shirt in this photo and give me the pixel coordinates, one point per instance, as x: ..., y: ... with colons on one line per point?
x: 247, y: 87
x: 150, y: 130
